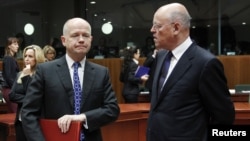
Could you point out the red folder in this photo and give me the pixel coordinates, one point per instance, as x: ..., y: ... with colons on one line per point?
x: 52, y: 132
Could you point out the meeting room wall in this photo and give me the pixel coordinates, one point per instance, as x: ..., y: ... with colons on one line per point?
x: 15, y: 15
x: 48, y: 18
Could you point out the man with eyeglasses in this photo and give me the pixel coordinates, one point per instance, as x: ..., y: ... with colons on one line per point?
x: 194, y: 92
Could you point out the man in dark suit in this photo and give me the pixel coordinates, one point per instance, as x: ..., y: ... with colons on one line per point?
x: 195, y: 92
x: 51, y: 95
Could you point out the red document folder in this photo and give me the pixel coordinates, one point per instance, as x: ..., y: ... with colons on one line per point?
x: 52, y: 132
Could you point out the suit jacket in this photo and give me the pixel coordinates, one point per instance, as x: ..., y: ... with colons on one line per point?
x: 18, y: 92
x: 149, y: 62
x: 194, y: 96
x: 10, y: 70
x: 131, y: 83
x: 50, y: 95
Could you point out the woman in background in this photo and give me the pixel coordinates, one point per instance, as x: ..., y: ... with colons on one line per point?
x: 10, y: 70
x: 49, y: 53
x: 131, y: 85
x: 32, y: 55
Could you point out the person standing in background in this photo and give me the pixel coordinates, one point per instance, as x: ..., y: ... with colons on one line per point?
x: 49, y: 53
x: 71, y: 88
x: 32, y: 55
x: 195, y: 92
x: 131, y: 89
x: 10, y: 70
x: 150, y: 63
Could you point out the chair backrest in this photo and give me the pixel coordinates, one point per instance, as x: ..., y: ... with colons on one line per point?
x: 242, y: 87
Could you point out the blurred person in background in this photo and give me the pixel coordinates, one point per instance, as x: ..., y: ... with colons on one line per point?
x: 32, y: 55
x: 131, y: 87
x: 49, y: 53
x: 10, y: 70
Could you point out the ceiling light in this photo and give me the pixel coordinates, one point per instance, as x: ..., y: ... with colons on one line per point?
x: 29, y: 29
x: 107, y: 28
x: 92, y: 2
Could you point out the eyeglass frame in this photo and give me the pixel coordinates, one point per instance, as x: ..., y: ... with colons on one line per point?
x: 157, y: 26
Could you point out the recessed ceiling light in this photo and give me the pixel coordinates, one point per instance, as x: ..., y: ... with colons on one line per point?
x: 92, y: 2
x: 29, y: 29
x: 107, y: 28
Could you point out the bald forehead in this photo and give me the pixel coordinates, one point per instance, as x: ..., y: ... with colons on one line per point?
x: 75, y: 22
x: 170, y: 8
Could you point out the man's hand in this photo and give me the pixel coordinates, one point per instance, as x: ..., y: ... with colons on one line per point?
x: 65, y: 121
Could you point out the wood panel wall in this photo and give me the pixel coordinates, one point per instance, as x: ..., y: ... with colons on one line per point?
x: 237, y: 70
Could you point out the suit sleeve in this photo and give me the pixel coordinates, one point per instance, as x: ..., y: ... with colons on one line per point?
x: 108, y: 111
x: 215, y: 93
x: 18, y: 91
x: 131, y: 74
x: 32, y: 105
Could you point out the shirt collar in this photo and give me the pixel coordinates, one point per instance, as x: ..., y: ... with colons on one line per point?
x: 136, y: 61
x: 70, y: 62
x: 179, y: 50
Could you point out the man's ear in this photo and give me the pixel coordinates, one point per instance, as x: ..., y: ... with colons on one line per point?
x: 63, y: 40
x: 91, y: 38
x: 176, y: 27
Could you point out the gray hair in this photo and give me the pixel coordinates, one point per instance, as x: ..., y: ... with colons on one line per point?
x: 183, y: 17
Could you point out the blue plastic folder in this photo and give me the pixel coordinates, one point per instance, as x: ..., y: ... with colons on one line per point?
x: 141, y: 70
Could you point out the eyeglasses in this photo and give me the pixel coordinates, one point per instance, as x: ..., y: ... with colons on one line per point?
x: 158, y: 26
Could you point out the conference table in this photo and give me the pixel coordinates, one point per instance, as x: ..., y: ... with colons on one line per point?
x: 130, y: 125
x: 7, y: 129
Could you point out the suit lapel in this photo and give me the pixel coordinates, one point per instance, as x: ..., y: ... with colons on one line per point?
x: 161, y: 55
x: 179, y: 70
x: 88, y: 80
x: 64, y: 75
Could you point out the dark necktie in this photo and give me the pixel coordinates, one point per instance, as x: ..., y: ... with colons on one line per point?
x: 164, y: 71
x: 78, y: 93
